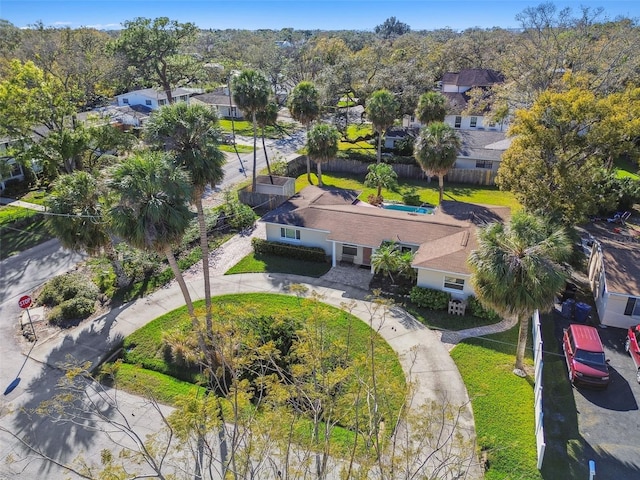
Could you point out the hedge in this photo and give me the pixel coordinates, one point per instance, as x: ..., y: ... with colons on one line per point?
x: 430, y: 298
x: 264, y: 247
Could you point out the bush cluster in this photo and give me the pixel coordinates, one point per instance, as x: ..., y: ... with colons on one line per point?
x: 478, y: 310
x: 264, y: 247
x: 430, y: 298
x: 70, y: 296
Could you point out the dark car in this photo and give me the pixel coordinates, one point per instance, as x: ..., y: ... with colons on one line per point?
x: 585, y: 358
x: 632, y: 345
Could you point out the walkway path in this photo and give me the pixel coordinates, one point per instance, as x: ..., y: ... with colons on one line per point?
x: 19, y: 203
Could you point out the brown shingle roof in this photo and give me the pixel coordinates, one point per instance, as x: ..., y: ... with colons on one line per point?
x: 445, y: 238
x: 473, y: 77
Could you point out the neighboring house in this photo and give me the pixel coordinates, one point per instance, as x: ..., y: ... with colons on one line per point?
x: 152, y: 98
x: 134, y: 115
x: 455, y: 86
x: 350, y: 230
x: 614, y: 274
x: 481, y: 150
x: 221, y: 102
x: 16, y: 173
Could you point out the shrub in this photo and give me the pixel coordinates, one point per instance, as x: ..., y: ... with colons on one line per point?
x: 74, y: 308
x: 238, y: 215
x: 67, y: 287
x: 478, y: 310
x: 430, y: 298
x: 264, y: 247
x: 410, y: 196
x: 375, y: 199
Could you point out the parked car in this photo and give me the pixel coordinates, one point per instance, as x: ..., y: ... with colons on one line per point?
x: 585, y: 358
x: 632, y: 345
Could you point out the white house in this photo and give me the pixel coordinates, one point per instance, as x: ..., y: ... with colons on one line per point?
x: 614, y: 274
x: 152, y: 98
x: 221, y: 102
x: 350, y: 230
x: 455, y: 87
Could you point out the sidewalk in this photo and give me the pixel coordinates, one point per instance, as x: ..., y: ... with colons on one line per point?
x: 19, y: 203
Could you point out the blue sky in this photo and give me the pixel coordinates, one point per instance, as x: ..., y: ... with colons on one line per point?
x: 298, y: 14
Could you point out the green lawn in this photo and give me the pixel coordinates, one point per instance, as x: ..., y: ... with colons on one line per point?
x: 253, y: 263
x: 502, y: 405
x: 241, y: 148
x: 428, y: 192
x: 20, y: 229
x: 245, y: 128
x: 441, y: 320
x: 147, y: 364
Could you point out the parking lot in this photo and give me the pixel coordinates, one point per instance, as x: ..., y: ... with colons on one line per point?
x: 609, y: 420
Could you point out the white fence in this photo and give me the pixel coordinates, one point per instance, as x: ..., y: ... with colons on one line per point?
x: 537, y: 389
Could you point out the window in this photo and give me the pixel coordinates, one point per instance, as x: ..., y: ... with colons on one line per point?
x: 453, y: 283
x: 290, y: 233
x: 458, y: 122
x: 147, y: 102
x: 125, y: 101
x: 162, y: 102
x: 350, y: 250
x: 633, y: 307
x: 486, y: 164
x: 474, y: 122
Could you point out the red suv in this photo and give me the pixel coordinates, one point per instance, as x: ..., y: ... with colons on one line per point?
x: 585, y: 356
x: 632, y: 345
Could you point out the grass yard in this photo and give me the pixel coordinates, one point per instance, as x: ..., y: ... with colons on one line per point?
x: 441, y: 320
x: 241, y: 148
x: 428, y: 192
x: 359, y: 130
x: 245, y: 128
x: 21, y: 229
x: 502, y: 405
x: 253, y: 263
x: 147, y: 364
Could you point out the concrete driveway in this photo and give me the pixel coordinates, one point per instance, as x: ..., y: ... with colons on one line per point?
x: 609, y: 420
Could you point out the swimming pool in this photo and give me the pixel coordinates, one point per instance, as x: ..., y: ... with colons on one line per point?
x: 408, y: 208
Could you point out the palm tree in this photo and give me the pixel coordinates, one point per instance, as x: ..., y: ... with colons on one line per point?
x: 191, y: 133
x: 251, y: 94
x: 432, y: 107
x: 151, y: 209
x: 304, y: 106
x: 266, y: 117
x: 436, y: 150
x: 322, y: 145
x: 387, y: 259
x: 381, y: 175
x: 382, y: 109
x: 77, y: 219
x: 516, y: 270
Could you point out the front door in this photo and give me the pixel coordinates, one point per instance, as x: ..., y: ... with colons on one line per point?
x: 366, y: 256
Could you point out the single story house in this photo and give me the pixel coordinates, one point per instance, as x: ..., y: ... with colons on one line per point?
x: 480, y: 150
x: 221, y: 102
x: 152, y: 98
x: 614, y: 274
x: 348, y: 229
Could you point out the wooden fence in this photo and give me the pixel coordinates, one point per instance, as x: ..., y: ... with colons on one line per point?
x: 298, y: 166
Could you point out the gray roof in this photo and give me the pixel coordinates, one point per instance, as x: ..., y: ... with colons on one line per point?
x: 474, y: 77
x: 482, y: 144
x: 216, y: 97
x: 445, y: 238
x: 158, y: 94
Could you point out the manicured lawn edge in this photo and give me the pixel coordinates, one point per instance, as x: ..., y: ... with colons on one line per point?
x: 502, y: 405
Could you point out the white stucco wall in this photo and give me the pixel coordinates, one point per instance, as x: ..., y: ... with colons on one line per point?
x: 435, y: 279
x: 136, y: 99
x: 308, y: 238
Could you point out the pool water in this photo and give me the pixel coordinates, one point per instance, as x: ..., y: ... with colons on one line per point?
x: 408, y: 208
